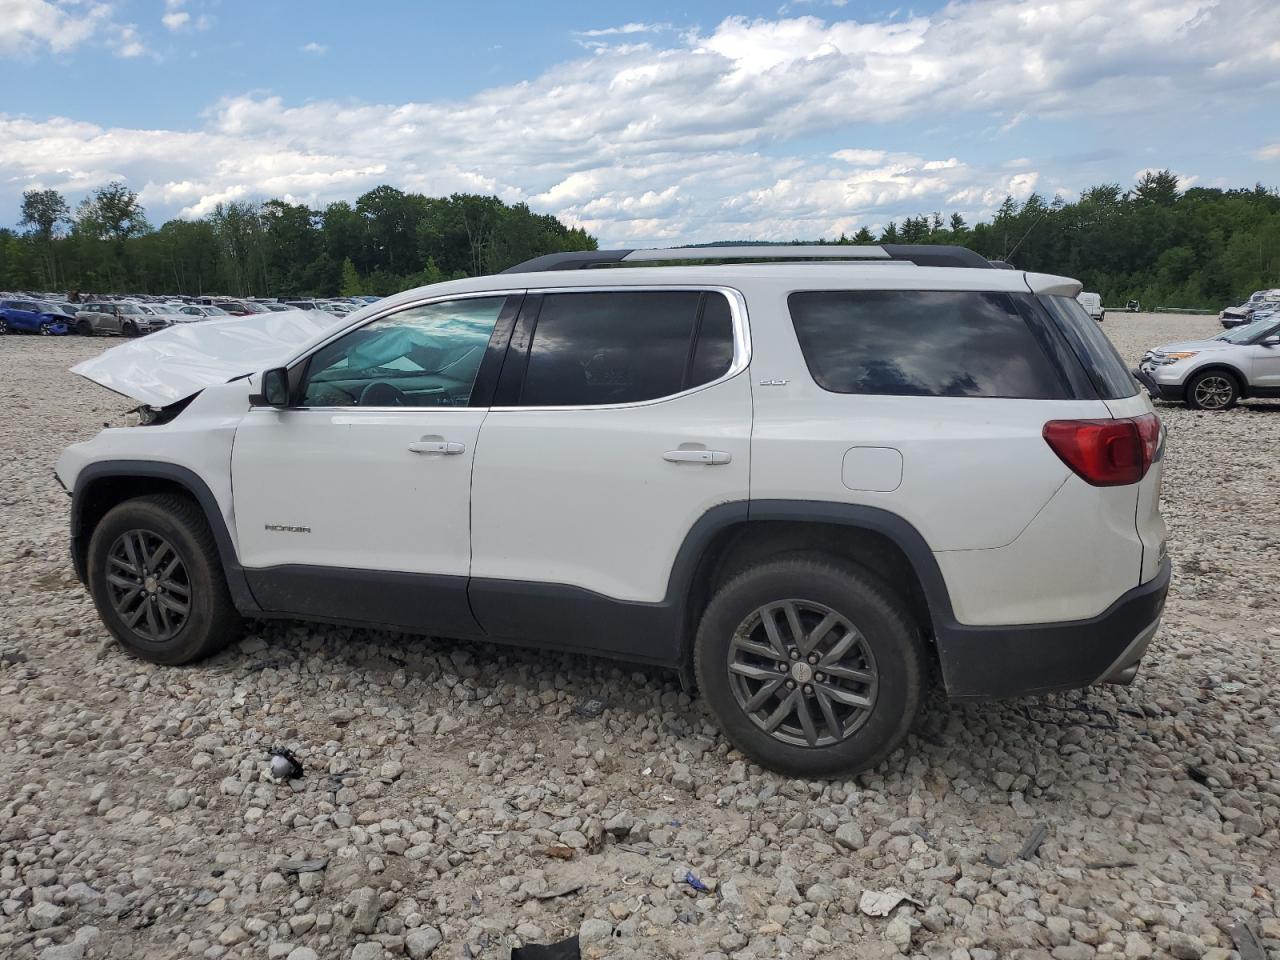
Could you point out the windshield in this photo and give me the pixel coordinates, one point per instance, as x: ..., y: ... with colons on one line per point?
x: 215, y: 312
x: 1250, y: 332
x: 129, y: 309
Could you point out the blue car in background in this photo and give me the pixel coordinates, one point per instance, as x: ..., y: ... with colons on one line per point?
x: 30, y: 316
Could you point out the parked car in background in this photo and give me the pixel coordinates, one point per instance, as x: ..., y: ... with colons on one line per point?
x: 1259, y: 300
x: 1092, y: 303
x: 119, y: 319
x: 301, y: 304
x: 32, y: 316
x: 199, y: 312
x: 1214, y: 374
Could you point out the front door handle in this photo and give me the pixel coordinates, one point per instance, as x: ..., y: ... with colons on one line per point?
x: 436, y: 446
x: 709, y: 457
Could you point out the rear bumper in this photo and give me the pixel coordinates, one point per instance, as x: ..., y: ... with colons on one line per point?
x: 989, y: 662
x: 1159, y: 391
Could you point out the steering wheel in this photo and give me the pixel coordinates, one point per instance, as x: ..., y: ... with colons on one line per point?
x: 379, y: 393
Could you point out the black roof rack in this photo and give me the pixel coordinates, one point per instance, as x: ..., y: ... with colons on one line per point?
x: 921, y: 254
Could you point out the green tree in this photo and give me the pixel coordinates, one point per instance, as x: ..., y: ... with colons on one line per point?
x: 351, y: 285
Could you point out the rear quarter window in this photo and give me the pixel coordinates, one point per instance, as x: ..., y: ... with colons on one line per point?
x: 922, y: 343
x: 1096, y: 352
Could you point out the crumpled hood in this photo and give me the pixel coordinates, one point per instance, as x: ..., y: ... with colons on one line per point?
x: 171, y: 365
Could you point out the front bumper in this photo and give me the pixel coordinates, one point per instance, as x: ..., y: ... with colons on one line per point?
x: 990, y: 662
x: 1158, y: 390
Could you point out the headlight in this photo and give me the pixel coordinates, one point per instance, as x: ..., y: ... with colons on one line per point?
x: 1181, y: 355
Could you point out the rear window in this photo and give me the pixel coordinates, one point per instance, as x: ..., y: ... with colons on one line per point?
x: 922, y: 343
x: 1098, y: 356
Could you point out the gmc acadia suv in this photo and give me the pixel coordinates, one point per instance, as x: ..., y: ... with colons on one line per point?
x: 808, y: 486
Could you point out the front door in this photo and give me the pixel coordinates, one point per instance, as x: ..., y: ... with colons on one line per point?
x: 354, y: 503
x: 1264, y: 361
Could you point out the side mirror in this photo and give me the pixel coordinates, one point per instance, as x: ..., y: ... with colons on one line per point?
x: 273, y: 389
x: 1271, y: 341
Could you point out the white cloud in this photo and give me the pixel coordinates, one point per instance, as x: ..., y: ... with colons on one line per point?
x: 176, y: 20
x: 704, y: 135
x: 319, y: 49
x: 626, y: 29
x: 1269, y: 152
x: 30, y: 26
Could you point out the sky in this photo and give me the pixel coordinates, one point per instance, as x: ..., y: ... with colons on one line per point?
x: 647, y: 124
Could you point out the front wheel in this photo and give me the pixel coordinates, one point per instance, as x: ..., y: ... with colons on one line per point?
x: 129, y: 330
x: 84, y: 328
x: 812, y: 666
x: 4, y: 326
x: 157, y: 582
x: 46, y: 330
x: 1212, y: 390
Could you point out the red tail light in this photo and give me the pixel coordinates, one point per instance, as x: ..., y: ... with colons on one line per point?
x: 1106, y: 453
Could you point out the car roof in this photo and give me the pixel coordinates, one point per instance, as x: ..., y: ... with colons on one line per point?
x: 806, y: 275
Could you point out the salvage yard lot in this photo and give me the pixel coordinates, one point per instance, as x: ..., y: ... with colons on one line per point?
x: 447, y: 783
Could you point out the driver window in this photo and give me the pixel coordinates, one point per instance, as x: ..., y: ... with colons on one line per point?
x: 421, y: 357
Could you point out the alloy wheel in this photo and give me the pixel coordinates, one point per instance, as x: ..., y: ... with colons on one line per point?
x: 148, y: 585
x: 803, y: 673
x: 1214, y: 393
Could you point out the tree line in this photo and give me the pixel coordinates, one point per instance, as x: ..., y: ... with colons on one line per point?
x: 387, y: 241
x: 1200, y: 247
x: 1154, y: 242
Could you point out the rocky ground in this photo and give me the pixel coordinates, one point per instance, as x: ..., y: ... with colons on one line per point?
x: 455, y: 804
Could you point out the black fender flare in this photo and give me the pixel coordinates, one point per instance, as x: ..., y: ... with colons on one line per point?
x: 855, y: 516
x: 189, y: 481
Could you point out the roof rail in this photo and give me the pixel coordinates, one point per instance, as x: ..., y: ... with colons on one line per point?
x: 921, y: 254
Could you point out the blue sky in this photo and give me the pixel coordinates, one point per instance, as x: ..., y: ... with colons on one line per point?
x: 646, y: 123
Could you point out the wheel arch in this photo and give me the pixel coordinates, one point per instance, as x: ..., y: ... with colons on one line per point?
x: 1221, y: 366
x: 101, y: 486
x: 730, y: 537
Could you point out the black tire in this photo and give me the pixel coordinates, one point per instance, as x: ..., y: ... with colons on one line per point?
x: 894, y: 649
x: 4, y: 326
x: 46, y: 329
x: 1212, y: 390
x: 84, y: 328
x: 211, y: 620
x: 129, y: 329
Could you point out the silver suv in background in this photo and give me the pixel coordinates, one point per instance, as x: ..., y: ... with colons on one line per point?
x: 1214, y: 374
x: 123, y: 319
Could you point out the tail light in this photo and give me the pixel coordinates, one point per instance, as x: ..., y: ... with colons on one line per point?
x: 1106, y: 453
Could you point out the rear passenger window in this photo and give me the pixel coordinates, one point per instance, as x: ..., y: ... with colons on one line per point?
x: 616, y: 347
x: 922, y: 343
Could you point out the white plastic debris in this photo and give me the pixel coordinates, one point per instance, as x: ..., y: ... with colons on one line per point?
x: 881, y: 903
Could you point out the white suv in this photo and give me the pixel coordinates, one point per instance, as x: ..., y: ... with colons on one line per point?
x: 802, y: 485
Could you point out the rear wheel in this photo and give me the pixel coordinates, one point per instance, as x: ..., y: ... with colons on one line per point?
x: 157, y: 582
x: 1212, y: 390
x: 812, y: 666
x: 84, y: 328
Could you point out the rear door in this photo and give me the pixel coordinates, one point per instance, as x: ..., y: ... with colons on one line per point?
x: 623, y: 417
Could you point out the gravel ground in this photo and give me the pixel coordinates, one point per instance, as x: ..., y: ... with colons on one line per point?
x: 455, y: 804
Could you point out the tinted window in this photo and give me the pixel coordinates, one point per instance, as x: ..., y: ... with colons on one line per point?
x: 713, y: 352
x: 421, y: 357
x: 625, y: 346
x: 922, y: 343
x: 1110, y: 376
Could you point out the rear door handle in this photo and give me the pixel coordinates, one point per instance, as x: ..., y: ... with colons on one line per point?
x: 436, y: 446
x: 709, y: 457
